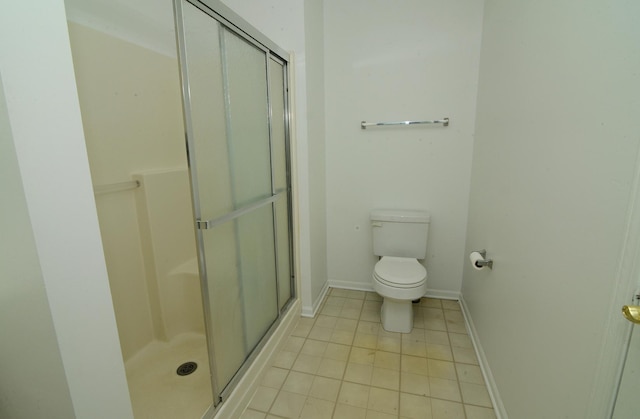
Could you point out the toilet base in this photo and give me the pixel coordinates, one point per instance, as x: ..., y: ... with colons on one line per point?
x: 396, y: 315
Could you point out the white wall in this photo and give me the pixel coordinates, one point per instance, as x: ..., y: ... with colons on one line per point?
x: 44, y: 115
x: 314, y: 65
x: 411, y: 61
x: 32, y: 380
x: 557, y: 136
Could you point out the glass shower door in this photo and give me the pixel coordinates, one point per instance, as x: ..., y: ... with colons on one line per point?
x: 235, y: 114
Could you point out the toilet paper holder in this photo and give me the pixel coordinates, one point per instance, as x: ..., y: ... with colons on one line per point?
x: 484, y: 262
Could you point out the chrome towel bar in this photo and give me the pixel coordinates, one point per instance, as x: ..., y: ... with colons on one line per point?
x: 443, y: 121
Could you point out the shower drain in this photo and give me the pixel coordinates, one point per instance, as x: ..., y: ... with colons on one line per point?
x: 186, y: 368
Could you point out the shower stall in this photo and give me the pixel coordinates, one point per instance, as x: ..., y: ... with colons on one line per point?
x: 198, y: 239
x: 236, y: 118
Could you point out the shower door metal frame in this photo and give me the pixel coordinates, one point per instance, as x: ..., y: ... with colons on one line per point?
x: 235, y: 24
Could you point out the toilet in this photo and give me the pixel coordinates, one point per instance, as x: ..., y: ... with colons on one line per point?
x: 400, y: 239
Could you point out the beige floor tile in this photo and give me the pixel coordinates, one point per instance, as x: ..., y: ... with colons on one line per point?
x: 372, y: 414
x: 442, y: 369
x: 359, y: 373
x: 434, y: 324
x: 433, y: 313
x: 461, y: 340
x: 293, y: 344
x: 263, y: 398
x: 307, y: 363
x: 416, y: 335
x: 252, y: 414
x: 475, y: 394
x: 335, y: 301
x: 302, y: 330
x: 331, y: 368
x: 383, y: 400
x: 314, y: 347
x: 442, y: 352
x: 372, y: 305
x: 387, y: 360
x: 344, y: 411
x: 317, y: 409
x: 441, y: 388
x: 430, y: 302
x: 354, y: 394
x: 285, y: 359
x: 337, y: 351
x: 469, y: 373
x: 331, y: 310
x: 443, y: 409
x: 326, y: 321
x: 345, y: 365
x: 414, y: 349
x: 370, y: 315
x: 342, y: 337
x: 320, y: 333
x: 476, y: 412
x: 389, y: 343
x: 370, y: 328
x: 274, y: 377
x: 455, y: 321
x: 349, y: 325
x: 353, y: 304
x: 415, y: 407
x: 464, y: 355
x: 414, y: 383
x: 436, y: 336
x: 414, y: 364
x: 325, y: 388
x: 364, y: 340
x: 451, y: 305
x: 362, y: 356
x: 298, y: 382
x: 288, y: 404
x: 385, y: 378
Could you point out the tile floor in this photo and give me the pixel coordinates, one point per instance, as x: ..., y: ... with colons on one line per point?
x: 343, y: 364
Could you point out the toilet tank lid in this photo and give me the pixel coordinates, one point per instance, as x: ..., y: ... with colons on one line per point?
x: 400, y: 216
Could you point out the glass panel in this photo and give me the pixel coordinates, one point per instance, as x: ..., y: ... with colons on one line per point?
x: 241, y: 287
x: 208, y: 123
x: 284, y: 255
x: 248, y: 125
x: 278, y: 128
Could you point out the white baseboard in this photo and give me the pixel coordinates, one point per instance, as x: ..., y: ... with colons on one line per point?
x: 442, y: 294
x: 498, y: 407
x: 350, y: 285
x: 312, y: 311
x: 240, y: 397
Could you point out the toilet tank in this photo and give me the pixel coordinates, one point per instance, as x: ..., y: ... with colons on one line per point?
x: 400, y: 233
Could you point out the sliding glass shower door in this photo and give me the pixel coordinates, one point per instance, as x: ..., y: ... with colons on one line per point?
x: 236, y: 117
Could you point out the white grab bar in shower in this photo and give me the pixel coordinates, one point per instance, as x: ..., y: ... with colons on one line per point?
x: 443, y: 121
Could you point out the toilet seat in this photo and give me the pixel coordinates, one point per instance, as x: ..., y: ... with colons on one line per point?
x: 399, y: 272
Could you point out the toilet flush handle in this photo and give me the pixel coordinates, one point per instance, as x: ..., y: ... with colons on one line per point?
x: 376, y: 224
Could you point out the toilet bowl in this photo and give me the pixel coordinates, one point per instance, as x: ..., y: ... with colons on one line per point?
x: 399, y: 281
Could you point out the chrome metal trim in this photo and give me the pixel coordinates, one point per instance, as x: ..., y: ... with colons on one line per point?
x: 443, y: 121
x: 195, y: 197
x: 208, y: 224
x: 227, y: 17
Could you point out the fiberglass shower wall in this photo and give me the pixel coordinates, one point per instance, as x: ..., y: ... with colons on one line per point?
x: 236, y: 119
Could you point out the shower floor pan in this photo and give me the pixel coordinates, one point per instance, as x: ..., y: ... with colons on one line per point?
x: 158, y: 392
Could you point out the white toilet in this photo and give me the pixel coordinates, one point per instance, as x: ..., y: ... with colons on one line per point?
x: 400, y: 238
